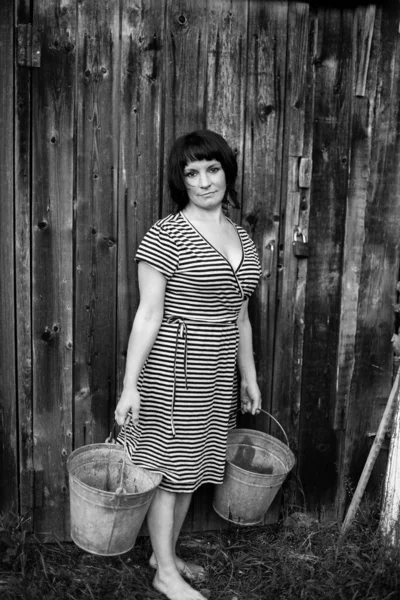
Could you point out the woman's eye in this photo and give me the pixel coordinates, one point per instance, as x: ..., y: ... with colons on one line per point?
x: 214, y: 169
x: 190, y: 174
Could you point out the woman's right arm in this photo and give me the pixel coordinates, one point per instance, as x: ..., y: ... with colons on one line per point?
x: 145, y: 328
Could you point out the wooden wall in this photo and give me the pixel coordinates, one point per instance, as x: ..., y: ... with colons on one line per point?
x: 94, y: 94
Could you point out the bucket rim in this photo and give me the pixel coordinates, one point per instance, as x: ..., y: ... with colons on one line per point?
x: 291, y: 457
x: 105, y: 493
x: 99, y: 445
x: 260, y: 476
x: 261, y: 434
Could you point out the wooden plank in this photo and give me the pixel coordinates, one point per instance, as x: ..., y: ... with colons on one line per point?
x: 286, y: 387
x: 360, y: 164
x: 23, y: 274
x: 372, y: 374
x: 265, y: 106
x: 97, y: 139
x: 8, y: 405
x: 367, y: 28
x: 52, y: 256
x: 141, y: 160
x: 333, y: 70
x: 185, y: 73
x: 304, y: 214
x: 390, y: 512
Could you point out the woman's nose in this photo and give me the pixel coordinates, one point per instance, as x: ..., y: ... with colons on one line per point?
x: 204, y: 180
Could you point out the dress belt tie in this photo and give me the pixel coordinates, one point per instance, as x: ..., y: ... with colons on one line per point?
x: 181, y: 332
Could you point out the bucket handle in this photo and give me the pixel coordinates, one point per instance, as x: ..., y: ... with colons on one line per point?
x: 279, y: 425
x: 120, y: 489
x: 110, y: 440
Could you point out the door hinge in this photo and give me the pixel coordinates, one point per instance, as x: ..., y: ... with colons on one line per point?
x: 28, y: 45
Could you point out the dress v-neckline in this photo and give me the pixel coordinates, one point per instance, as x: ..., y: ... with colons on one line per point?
x: 235, y: 270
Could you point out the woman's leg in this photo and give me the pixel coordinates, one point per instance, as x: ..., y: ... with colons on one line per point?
x: 181, y: 508
x: 160, y: 520
x: 189, y: 570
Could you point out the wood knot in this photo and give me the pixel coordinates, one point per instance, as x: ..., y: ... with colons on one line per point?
x: 182, y: 20
x: 42, y: 225
x: 46, y: 335
x: 49, y: 334
x: 264, y: 110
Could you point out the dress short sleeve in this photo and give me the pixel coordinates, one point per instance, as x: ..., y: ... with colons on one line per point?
x: 159, y: 250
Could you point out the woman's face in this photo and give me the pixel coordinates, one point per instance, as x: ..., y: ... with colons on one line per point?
x: 205, y: 183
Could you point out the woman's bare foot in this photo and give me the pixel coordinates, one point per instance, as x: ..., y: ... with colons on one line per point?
x: 189, y: 570
x: 174, y: 587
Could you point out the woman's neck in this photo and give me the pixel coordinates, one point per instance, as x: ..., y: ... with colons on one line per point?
x: 193, y: 213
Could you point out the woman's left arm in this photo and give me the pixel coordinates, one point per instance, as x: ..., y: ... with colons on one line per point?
x: 250, y: 395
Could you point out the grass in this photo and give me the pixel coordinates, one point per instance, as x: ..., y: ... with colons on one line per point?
x: 294, y: 559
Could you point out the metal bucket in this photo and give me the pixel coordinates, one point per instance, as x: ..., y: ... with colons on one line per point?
x: 257, y: 465
x: 102, y: 521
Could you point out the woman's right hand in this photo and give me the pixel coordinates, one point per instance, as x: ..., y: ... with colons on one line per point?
x: 129, y: 401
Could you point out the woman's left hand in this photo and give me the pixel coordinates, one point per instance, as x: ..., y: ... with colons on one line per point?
x: 250, y: 398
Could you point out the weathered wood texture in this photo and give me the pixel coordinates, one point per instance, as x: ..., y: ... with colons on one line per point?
x: 308, y: 96
x: 23, y: 146
x: 332, y: 117
x: 8, y: 378
x: 52, y: 262
x: 356, y: 202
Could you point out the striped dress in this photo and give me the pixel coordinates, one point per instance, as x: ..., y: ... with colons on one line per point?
x: 188, y: 383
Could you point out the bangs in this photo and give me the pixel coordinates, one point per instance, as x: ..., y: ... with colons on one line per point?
x: 199, y: 150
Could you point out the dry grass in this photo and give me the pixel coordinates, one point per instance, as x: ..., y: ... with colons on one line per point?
x: 290, y: 560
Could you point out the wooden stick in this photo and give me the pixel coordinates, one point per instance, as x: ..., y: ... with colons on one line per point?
x: 373, y: 454
x: 390, y: 512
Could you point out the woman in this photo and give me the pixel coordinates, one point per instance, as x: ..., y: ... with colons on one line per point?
x: 197, y: 270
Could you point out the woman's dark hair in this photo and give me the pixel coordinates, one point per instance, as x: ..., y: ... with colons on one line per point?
x: 201, y: 145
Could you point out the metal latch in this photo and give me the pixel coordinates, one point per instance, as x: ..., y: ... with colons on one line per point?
x: 300, y: 245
